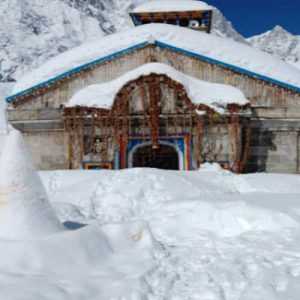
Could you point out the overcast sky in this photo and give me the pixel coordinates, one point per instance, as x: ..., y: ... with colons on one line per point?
x: 252, y: 17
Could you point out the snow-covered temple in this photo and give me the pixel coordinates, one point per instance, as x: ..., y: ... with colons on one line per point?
x: 165, y: 94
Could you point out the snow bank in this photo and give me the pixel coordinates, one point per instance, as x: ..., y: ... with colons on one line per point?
x: 200, y: 92
x: 216, y: 235
x: 172, y: 5
x: 42, y: 260
x: 25, y: 210
x: 221, y: 49
x: 211, y: 197
x: 154, y: 234
x: 89, y: 263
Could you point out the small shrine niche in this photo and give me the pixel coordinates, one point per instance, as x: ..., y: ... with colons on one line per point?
x: 196, y: 19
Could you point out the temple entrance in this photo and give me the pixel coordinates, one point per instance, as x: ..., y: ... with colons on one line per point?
x: 165, y: 157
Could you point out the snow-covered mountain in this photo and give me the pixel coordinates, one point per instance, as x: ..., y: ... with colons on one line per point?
x: 224, y: 28
x: 280, y: 42
x: 32, y: 31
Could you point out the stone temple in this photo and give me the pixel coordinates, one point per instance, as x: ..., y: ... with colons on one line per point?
x: 166, y: 94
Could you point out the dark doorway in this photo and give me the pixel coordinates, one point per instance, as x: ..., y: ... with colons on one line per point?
x: 165, y: 157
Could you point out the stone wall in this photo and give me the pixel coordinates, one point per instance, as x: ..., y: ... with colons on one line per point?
x: 275, y: 122
x: 48, y: 149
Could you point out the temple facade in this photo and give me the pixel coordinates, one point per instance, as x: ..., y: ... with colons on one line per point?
x: 166, y: 95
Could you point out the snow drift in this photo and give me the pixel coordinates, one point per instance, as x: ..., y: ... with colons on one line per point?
x: 56, y: 263
x: 220, y: 236
x: 25, y: 209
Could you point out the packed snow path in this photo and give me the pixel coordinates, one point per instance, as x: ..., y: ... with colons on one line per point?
x: 219, y: 236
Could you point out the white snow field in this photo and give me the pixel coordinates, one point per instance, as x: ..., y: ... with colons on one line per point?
x: 41, y: 259
x: 146, y: 234
x: 221, y: 236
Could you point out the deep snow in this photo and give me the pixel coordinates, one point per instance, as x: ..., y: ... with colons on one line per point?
x: 150, y: 234
x: 158, y: 235
x: 42, y: 259
x: 146, y: 234
x: 221, y: 236
x: 25, y: 210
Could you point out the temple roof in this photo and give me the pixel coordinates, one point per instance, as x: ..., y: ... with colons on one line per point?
x: 224, y: 52
x: 172, y: 6
x: 216, y: 96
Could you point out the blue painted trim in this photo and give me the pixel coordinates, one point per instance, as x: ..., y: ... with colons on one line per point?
x: 228, y: 66
x: 135, y: 19
x: 78, y: 69
x: 163, y: 46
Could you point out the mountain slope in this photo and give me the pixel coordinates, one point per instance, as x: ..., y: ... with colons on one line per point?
x: 224, y: 28
x: 279, y: 42
x: 32, y: 31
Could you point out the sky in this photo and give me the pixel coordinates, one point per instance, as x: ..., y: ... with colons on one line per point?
x: 251, y: 17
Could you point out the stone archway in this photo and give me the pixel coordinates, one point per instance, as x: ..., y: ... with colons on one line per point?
x: 164, y: 157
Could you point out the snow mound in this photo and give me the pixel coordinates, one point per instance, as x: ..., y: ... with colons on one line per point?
x: 172, y: 5
x: 210, y: 197
x: 212, y: 234
x: 200, y: 92
x: 212, y: 167
x: 156, y: 234
x: 92, y: 262
x: 41, y: 260
x: 25, y: 209
x: 211, y: 46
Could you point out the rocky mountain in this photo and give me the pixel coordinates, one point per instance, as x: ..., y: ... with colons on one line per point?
x: 32, y: 31
x: 280, y: 42
x: 224, y: 28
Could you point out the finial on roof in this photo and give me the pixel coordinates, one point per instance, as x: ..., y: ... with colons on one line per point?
x: 192, y: 14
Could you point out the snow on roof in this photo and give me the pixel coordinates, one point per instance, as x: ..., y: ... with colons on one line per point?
x: 24, y: 207
x: 200, y: 92
x: 172, y: 5
x: 225, y: 52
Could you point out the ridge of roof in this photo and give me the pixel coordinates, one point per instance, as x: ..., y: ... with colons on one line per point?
x: 214, y: 95
x: 163, y: 42
x: 171, y: 5
x: 77, y: 70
